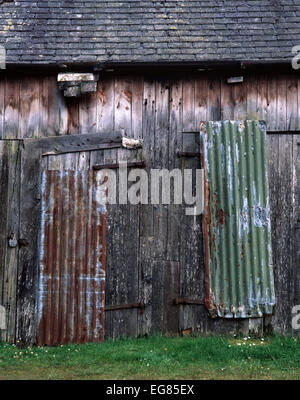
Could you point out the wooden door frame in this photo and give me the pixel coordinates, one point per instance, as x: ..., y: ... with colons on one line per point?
x: 30, y: 172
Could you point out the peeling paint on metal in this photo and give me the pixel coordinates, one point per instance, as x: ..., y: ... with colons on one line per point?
x: 236, y: 223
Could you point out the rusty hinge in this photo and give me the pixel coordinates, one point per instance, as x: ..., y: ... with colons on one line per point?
x: 141, y: 306
x: 140, y: 164
x: 180, y: 300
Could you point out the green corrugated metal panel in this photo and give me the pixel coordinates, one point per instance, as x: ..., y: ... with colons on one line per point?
x: 238, y: 255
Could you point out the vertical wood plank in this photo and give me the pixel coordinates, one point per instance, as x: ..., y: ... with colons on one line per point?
x: 87, y: 121
x: 284, y: 251
x: 296, y: 221
x: 9, y: 214
x: 272, y: 104
x: 145, y: 295
x: 175, y: 145
x: 146, y: 228
x: 192, y: 317
x: 137, y: 107
x: 123, y: 105
x: 12, y: 109
x: 240, y: 101
x: 105, y: 104
x: 29, y: 107
x: 160, y: 211
x: 157, y: 310
x: 227, y: 100
x: 11, y: 259
x: 3, y: 214
x: 262, y: 99
x: 43, y: 105
x: 88, y: 113
x: 105, y: 123
x: 171, y: 291
x: 274, y: 179
x: 126, y: 278
x: 292, y: 104
x: 3, y: 208
x: 73, y: 115
x: 57, y: 111
x: 251, y: 97
x: 188, y: 104
x: 30, y: 197
x: 214, y: 100
x: 298, y: 107
x: 281, y: 103
x: 112, y: 265
x: 149, y: 106
x: 201, y: 100
x: 2, y: 106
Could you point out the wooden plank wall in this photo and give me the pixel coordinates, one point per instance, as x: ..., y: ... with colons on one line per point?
x: 155, y: 253
x: 284, y: 181
x: 31, y: 107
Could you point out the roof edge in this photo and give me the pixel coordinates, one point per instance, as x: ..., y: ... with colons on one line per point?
x: 197, y: 66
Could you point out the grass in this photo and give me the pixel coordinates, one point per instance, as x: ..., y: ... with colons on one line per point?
x: 157, y: 357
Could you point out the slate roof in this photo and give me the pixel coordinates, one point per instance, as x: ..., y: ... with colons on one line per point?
x: 57, y: 31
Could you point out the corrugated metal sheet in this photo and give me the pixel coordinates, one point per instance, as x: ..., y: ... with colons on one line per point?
x: 72, y: 259
x: 238, y: 257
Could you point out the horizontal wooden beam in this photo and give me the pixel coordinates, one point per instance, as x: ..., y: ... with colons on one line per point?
x: 73, y: 143
x: 283, y: 132
x: 180, y: 300
x: 138, y: 164
x: 183, y: 154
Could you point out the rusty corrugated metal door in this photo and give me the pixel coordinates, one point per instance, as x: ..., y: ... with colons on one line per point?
x: 238, y: 258
x: 72, y: 259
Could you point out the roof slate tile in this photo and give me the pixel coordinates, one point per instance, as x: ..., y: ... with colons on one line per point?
x: 148, y: 30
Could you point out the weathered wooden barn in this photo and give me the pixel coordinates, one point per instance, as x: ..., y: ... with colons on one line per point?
x: 158, y: 68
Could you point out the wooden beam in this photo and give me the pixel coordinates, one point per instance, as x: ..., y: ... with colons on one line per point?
x: 180, y: 300
x: 138, y: 164
x: 73, y: 143
x: 183, y: 154
x: 27, y: 290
